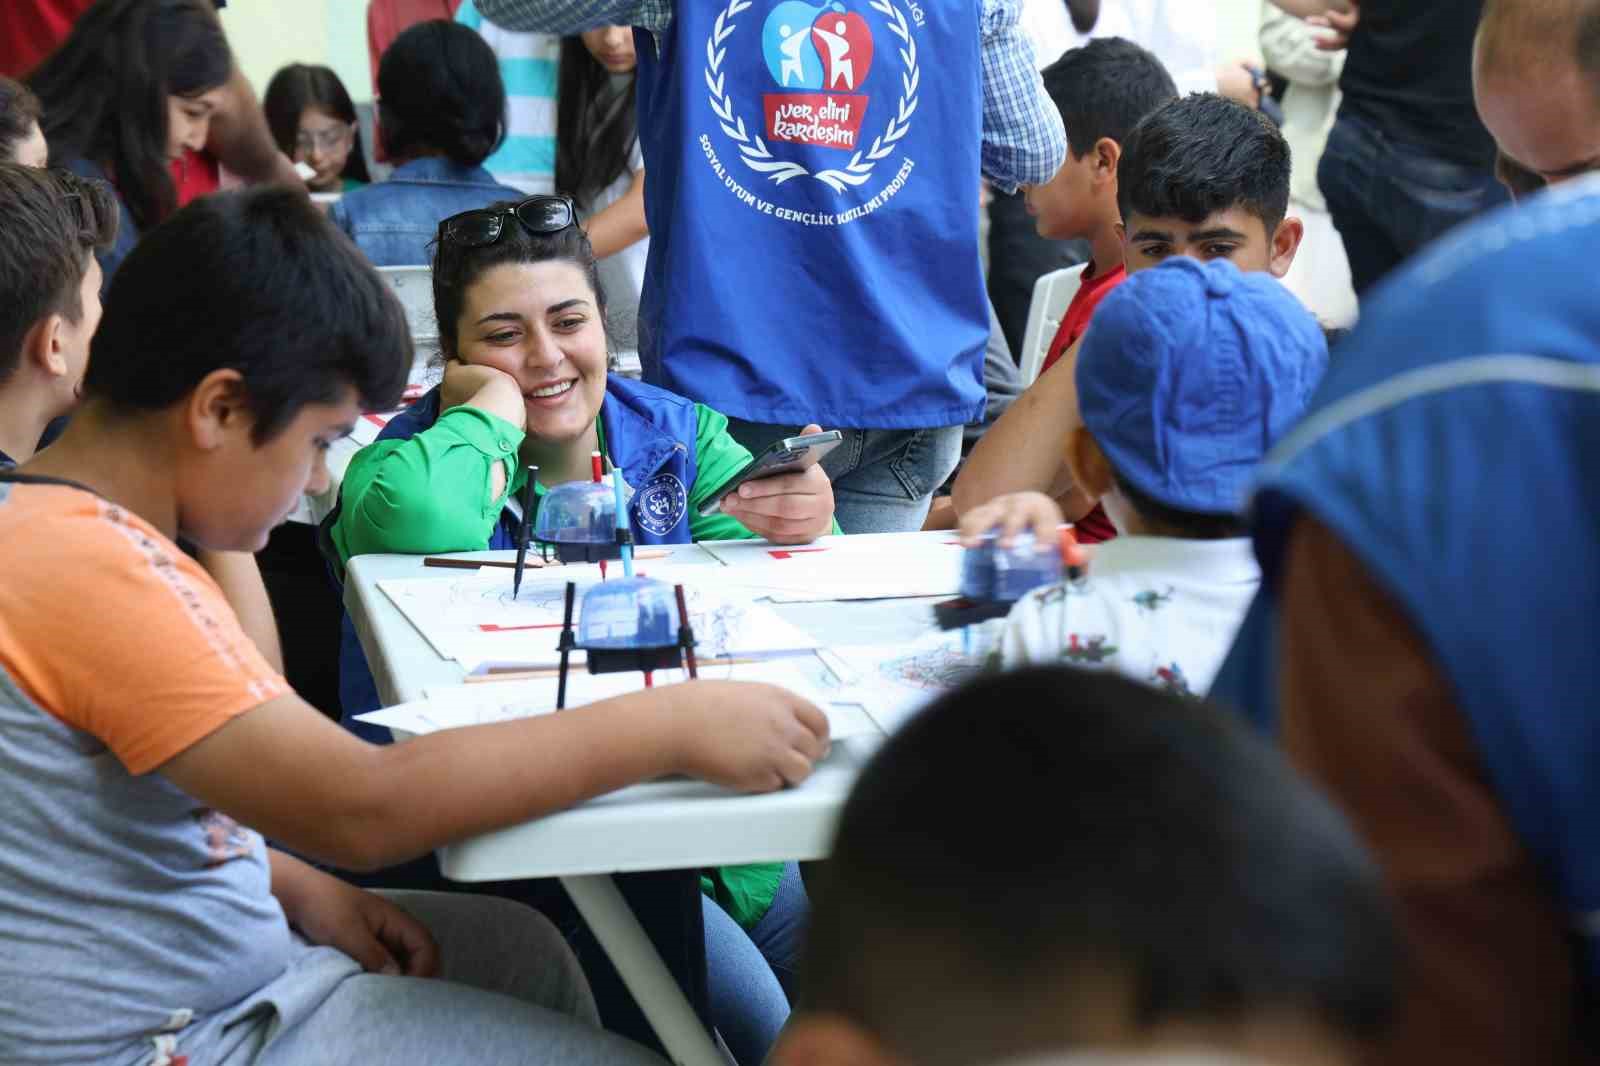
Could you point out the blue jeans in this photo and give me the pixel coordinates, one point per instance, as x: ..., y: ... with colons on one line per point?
x: 750, y: 977
x: 1388, y: 200
x: 883, y: 479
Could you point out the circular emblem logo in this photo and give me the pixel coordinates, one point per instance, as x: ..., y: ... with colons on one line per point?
x: 818, y: 56
x: 660, y: 505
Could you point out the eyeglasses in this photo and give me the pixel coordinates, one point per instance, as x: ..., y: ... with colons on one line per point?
x: 326, y: 140
x: 483, y: 227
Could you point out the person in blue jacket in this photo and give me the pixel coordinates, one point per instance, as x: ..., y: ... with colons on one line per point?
x: 1424, y: 642
x: 813, y: 210
x: 441, y: 113
x: 522, y: 326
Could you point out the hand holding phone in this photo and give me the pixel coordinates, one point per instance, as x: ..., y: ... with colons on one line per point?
x: 782, y: 494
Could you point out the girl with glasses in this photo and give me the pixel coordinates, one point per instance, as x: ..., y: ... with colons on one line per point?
x: 522, y: 326
x: 314, y: 122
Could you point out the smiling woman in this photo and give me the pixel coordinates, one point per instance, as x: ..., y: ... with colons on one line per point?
x: 522, y: 325
x: 135, y: 84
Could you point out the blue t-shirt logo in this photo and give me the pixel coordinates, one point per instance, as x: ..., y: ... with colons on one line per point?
x: 660, y: 505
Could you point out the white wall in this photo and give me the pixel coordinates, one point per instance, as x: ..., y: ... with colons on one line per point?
x: 1239, y: 29
x: 266, y: 36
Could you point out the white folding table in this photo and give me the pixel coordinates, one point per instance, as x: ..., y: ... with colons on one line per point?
x: 659, y: 825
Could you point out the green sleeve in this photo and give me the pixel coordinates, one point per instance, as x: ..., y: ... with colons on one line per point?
x: 745, y: 892
x: 717, y: 458
x: 429, y: 493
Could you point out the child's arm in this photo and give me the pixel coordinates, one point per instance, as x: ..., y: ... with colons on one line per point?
x: 286, y: 770
x: 1011, y: 514
x: 1302, y: 8
x: 241, y: 141
x: 237, y: 574
x: 382, y: 937
x: 1025, y: 450
x: 622, y: 224
x: 443, y: 489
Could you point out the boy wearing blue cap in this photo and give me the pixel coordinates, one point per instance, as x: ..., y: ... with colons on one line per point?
x: 1187, y: 376
x: 1201, y: 177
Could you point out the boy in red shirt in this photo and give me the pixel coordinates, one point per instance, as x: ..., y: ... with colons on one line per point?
x: 1202, y: 177
x: 1102, y: 91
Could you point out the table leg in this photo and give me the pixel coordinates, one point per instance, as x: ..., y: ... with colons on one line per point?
x: 647, y: 977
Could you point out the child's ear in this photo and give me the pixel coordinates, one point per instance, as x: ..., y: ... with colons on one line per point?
x: 43, y: 346
x: 1107, y: 154
x: 1091, y: 471
x: 828, y: 1040
x: 216, y: 409
x: 1285, y: 243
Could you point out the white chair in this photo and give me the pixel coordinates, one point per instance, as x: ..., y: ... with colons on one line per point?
x: 1052, y: 295
x: 414, y: 286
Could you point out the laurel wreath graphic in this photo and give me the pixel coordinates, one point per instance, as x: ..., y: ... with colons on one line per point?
x: 753, y: 150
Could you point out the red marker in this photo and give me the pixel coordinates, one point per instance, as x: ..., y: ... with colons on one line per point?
x: 596, y: 464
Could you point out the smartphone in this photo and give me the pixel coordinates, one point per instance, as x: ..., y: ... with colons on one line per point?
x: 780, y: 457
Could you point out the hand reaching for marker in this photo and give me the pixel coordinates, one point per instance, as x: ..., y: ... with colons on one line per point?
x: 1015, y: 512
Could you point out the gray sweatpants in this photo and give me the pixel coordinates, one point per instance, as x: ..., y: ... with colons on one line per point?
x: 509, y: 991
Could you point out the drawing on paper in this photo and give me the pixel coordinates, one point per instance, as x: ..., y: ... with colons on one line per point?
x: 933, y: 670
x: 476, y: 618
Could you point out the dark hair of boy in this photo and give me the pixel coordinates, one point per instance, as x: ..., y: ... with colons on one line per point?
x: 596, y: 124
x: 261, y: 282
x: 457, y: 267
x: 1039, y: 845
x: 19, y: 110
x: 1104, y: 88
x: 440, y: 93
x: 1164, y: 520
x: 297, y: 87
x: 54, y: 223
x: 1200, y: 155
x: 105, y: 91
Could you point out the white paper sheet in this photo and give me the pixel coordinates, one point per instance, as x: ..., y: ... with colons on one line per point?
x: 844, y: 568
x: 454, y: 706
x: 895, y: 681
x: 474, y: 619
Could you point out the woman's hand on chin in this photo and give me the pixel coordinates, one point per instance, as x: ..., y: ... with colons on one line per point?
x: 483, y: 387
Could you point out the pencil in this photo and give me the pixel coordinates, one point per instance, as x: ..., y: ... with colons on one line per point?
x: 525, y: 534
x: 596, y: 463
x: 536, y: 673
x: 535, y: 563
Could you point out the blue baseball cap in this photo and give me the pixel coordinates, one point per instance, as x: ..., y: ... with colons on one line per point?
x: 1190, y: 372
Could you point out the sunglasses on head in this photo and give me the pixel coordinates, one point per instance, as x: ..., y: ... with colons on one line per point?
x: 484, y: 226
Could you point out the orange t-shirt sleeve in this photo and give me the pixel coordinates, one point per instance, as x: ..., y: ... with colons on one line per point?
x: 107, y: 625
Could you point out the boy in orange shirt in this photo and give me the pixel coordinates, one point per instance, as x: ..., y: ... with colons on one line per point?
x: 147, y: 747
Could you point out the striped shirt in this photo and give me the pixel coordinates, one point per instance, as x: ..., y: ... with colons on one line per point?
x: 530, y: 67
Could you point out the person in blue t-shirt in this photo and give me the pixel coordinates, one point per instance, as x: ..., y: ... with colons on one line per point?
x: 813, y: 206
